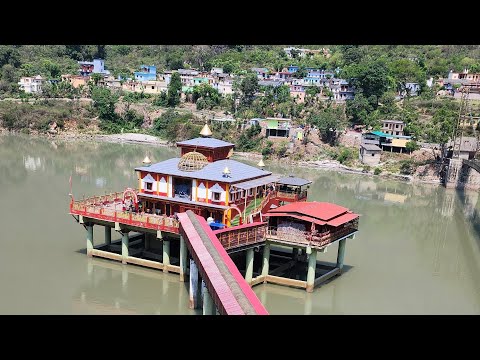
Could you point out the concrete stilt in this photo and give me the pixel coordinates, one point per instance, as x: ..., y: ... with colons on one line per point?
x: 249, y: 267
x: 147, y: 241
x: 208, y: 304
x: 183, y: 258
x: 193, y: 301
x: 266, y: 259
x: 89, y: 239
x: 124, y: 247
x: 124, y: 279
x: 166, y: 254
x: 341, y: 253
x: 108, y: 235
x: 312, y: 265
x: 295, y: 253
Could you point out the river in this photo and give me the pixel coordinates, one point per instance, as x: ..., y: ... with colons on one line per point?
x: 417, y: 250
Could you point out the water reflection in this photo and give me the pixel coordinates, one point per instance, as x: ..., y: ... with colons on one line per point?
x: 126, y: 289
x: 417, y: 250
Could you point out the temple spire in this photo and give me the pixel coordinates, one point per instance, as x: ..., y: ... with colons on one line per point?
x: 206, y: 132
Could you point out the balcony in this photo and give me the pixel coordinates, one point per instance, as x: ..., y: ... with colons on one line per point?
x: 291, y: 196
x: 314, y: 239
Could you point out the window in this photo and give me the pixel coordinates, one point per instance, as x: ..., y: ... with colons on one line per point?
x: 396, y: 126
x: 153, y: 87
x: 373, y: 154
x: 250, y: 192
x: 216, y: 196
x: 148, y: 186
x: 398, y: 132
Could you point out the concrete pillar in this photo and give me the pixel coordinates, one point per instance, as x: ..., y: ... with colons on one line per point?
x: 183, y: 258
x: 166, y: 254
x: 249, y: 266
x: 341, y: 253
x: 312, y: 265
x: 266, y: 259
x: 124, y: 247
x: 89, y: 239
x: 108, y: 235
x: 208, y: 304
x: 194, y: 293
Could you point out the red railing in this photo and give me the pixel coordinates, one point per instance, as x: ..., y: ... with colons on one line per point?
x: 242, y: 235
x: 103, y: 208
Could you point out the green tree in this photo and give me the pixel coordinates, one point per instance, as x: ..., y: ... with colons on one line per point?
x: 174, y: 90
x: 248, y: 86
x: 328, y: 121
x: 404, y: 71
x: 411, y: 146
x: 104, y: 103
x: 441, y: 128
x: 371, y: 77
x: 205, y: 96
x: 96, y: 78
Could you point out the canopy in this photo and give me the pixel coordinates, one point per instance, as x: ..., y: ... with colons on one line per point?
x: 257, y: 182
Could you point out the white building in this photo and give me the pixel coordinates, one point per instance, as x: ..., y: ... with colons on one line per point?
x: 31, y: 84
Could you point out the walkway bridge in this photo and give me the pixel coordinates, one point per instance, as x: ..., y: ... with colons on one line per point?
x: 227, y: 289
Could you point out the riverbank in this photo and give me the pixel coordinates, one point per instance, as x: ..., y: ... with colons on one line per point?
x: 145, y: 139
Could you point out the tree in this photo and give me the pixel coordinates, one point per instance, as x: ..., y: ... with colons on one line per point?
x: 174, y: 90
x: 248, y: 86
x: 205, y: 96
x: 441, y: 128
x: 328, y: 121
x: 351, y: 54
x: 104, y: 102
x: 405, y: 70
x: 300, y: 73
x: 359, y: 108
x: 51, y: 68
x: 96, y: 78
x: 411, y: 146
x: 370, y: 77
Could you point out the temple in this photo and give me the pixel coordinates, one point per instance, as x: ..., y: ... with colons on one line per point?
x: 206, y: 217
x: 205, y: 180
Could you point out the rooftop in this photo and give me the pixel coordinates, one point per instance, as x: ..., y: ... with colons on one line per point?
x: 318, y: 212
x: 371, y: 147
x: 213, y: 171
x: 294, y: 181
x: 393, y: 121
x: 205, y: 142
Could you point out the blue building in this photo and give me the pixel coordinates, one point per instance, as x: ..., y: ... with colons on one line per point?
x: 97, y: 66
x: 292, y: 69
x: 146, y: 73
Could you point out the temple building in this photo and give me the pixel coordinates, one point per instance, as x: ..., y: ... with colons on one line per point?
x: 205, y: 180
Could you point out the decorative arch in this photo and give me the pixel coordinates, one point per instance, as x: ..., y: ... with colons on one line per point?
x: 133, y: 195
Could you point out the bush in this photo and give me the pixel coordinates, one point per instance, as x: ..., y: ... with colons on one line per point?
x: 407, y: 167
x: 411, y: 146
x: 345, y: 155
x: 377, y: 171
x: 366, y: 168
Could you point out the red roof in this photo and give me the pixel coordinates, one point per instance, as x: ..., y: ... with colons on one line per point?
x: 342, y: 219
x: 300, y: 217
x: 320, y: 210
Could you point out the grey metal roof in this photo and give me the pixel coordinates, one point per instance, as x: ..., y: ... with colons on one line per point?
x: 292, y: 180
x: 212, y: 171
x: 257, y: 182
x: 205, y: 142
x: 182, y: 201
x: 371, y: 147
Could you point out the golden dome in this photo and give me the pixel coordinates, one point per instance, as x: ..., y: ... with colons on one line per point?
x: 192, y: 161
